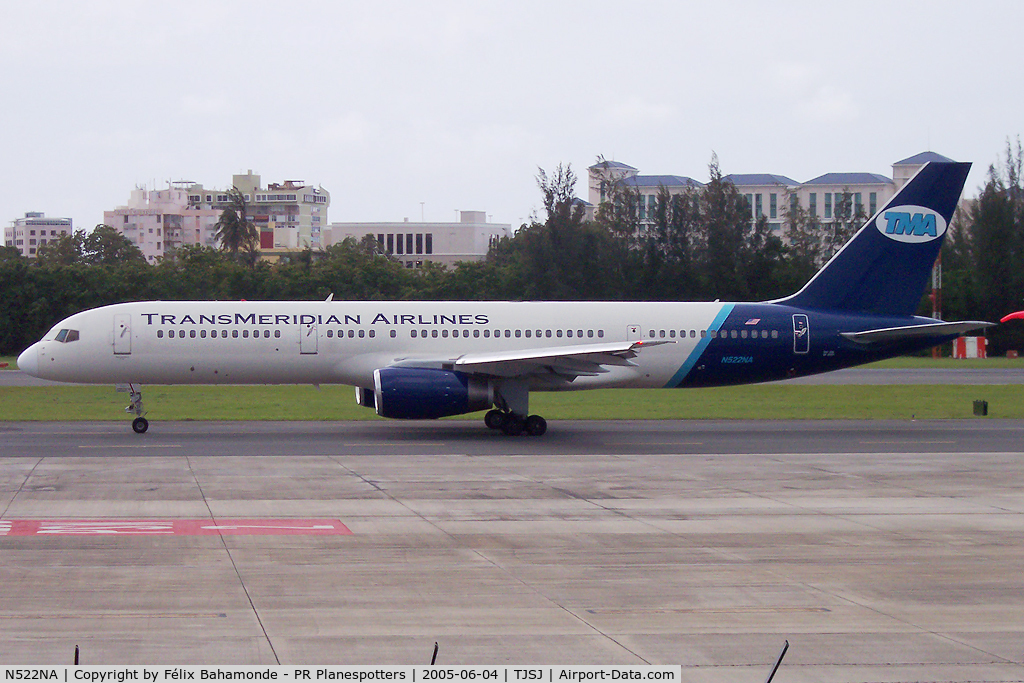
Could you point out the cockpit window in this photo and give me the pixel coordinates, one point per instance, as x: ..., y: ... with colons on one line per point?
x: 67, y: 336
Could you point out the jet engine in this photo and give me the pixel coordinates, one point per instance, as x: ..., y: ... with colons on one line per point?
x: 426, y: 394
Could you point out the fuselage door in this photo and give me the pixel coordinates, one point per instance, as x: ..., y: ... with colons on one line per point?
x: 307, y: 338
x: 801, y: 334
x: 122, y: 334
x: 633, y: 333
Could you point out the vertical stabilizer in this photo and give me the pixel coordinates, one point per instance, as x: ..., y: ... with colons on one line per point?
x: 884, y: 268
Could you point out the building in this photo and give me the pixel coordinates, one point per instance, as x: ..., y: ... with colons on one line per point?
x: 416, y: 243
x: 771, y: 195
x: 766, y: 193
x: 34, y: 230
x: 605, y: 174
x: 290, y: 215
x: 160, y: 221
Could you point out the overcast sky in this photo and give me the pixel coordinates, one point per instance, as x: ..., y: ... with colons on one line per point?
x: 455, y: 105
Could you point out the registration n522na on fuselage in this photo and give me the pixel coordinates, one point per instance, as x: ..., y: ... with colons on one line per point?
x: 425, y: 360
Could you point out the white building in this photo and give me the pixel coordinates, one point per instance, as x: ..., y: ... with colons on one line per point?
x: 34, y: 230
x: 767, y: 194
x: 415, y: 243
x: 771, y: 195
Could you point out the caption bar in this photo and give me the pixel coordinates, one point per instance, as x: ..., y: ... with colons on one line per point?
x: 353, y: 674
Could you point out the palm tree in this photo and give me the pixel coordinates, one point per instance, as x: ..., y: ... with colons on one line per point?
x: 234, y: 229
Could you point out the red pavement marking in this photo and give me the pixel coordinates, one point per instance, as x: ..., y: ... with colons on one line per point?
x: 173, y: 527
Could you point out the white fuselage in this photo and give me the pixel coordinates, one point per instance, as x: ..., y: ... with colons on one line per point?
x: 324, y: 342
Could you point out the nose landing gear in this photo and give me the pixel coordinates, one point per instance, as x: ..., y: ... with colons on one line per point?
x: 139, y: 424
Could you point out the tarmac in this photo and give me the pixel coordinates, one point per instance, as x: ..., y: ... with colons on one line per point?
x: 883, y: 551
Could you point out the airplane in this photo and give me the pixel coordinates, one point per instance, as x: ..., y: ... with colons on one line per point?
x: 431, y: 359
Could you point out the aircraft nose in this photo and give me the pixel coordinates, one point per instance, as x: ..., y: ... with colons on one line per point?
x: 28, y: 361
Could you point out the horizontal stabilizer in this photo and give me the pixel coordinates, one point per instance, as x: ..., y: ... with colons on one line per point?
x: 891, y: 334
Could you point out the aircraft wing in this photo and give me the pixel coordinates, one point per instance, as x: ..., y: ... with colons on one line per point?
x: 564, y: 362
x: 891, y: 334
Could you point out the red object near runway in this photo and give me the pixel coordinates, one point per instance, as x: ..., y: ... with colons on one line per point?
x: 1019, y: 315
x: 173, y: 527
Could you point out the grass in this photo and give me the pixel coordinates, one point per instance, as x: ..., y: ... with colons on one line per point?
x: 764, y: 401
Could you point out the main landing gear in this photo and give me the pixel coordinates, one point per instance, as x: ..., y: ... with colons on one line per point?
x: 513, y: 424
x: 139, y: 424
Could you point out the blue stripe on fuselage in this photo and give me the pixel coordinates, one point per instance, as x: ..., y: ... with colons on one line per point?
x: 695, y: 355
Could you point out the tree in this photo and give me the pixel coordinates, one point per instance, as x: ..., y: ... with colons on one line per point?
x: 234, y: 229
x: 67, y: 250
x: 106, y: 246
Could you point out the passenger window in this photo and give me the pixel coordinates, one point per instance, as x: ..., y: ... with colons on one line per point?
x: 672, y: 334
x: 508, y: 333
x: 743, y: 334
x: 590, y: 333
x: 413, y: 334
x: 528, y: 332
x: 266, y: 334
x: 234, y: 334
x: 362, y: 333
x: 202, y: 333
x: 277, y: 334
x: 693, y: 333
x: 661, y: 334
x: 600, y: 333
x: 558, y: 333
x: 159, y: 334
x: 393, y: 334
x: 192, y: 333
x: 433, y: 333
x: 733, y: 334
x: 223, y: 334
x: 775, y: 334
x: 547, y: 333
x: 579, y: 333
x: 373, y: 333
x: 487, y: 334
x: 519, y: 333
x: 568, y: 333
x: 330, y: 334
x: 476, y: 333
x: 245, y: 334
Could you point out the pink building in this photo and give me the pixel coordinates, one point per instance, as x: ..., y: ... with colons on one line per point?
x: 160, y: 221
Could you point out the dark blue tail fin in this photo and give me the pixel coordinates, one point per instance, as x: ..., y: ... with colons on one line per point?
x: 885, y: 266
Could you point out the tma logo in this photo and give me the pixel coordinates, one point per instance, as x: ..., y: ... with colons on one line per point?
x: 912, y: 224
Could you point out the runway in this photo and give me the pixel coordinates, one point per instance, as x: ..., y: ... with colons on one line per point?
x: 884, y: 551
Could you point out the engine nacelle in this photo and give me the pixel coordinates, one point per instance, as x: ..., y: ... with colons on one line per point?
x: 364, y: 397
x: 426, y: 394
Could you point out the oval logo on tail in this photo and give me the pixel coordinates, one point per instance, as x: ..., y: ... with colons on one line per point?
x: 911, y: 224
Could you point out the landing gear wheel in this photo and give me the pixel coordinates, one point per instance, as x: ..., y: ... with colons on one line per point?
x: 536, y: 425
x: 495, y: 419
x: 140, y: 425
x: 514, y: 425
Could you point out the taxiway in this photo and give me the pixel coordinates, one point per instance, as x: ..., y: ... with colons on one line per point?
x: 884, y: 551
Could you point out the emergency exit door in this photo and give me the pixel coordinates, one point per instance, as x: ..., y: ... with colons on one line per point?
x: 308, y: 339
